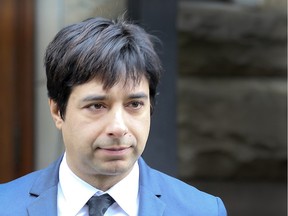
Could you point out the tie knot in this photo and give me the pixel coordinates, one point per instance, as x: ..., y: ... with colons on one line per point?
x: 98, y: 205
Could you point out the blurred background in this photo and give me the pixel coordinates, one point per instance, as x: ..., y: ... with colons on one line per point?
x: 220, y: 123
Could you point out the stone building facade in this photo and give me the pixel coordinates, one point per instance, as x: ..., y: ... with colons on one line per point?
x: 232, y: 90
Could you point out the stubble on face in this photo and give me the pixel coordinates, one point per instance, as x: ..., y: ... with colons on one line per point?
x: 94, y: 152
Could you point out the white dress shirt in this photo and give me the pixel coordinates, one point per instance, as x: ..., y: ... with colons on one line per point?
x: 73, y: 194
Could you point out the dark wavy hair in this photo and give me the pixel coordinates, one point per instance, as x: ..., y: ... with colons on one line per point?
x: 103, y: 49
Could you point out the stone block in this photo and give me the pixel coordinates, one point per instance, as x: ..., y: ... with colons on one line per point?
x: 229, y: 40
x: 77, y: 10
x: 232, y: 128
x: 231, y: 22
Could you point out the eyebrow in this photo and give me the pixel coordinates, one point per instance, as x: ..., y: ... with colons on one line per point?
x: 139, y: 95
x: 94, y: 98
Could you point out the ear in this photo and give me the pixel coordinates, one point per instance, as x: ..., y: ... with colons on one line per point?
x: 55, y: 113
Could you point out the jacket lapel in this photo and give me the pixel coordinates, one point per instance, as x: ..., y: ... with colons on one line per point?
x: 150, y: 204
x: 44, y: 204
x: 45, y: 192
x: 150, y: 192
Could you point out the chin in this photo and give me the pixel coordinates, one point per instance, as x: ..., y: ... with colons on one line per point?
x: 119, y: 168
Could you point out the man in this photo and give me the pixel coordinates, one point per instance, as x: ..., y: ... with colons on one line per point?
x: 101, y: 79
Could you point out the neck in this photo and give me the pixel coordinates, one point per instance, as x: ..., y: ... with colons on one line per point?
x: 103, y: 182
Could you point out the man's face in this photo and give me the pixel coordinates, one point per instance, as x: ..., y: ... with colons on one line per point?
x: 105, y: 131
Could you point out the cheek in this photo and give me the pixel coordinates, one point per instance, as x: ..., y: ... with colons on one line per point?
x: 141, y: 130
x: 77, y: 136
x: 147, y: 127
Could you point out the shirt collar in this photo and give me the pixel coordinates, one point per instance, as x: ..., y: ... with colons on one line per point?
x: 125, y: 192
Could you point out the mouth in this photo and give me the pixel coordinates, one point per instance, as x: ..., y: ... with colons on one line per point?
x: 115, y: 151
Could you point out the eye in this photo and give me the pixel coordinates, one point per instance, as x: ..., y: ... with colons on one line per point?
x: 96, y: 106
x: 136, y: 104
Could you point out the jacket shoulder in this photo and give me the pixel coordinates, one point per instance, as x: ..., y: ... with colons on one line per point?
x: 19, y: 185
x: 17, y: 195
x: 180, y: 196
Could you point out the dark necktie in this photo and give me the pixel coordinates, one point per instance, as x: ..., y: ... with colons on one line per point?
x: 98, y: 205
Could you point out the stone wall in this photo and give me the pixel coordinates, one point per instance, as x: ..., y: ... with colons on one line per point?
x: 232, y: 90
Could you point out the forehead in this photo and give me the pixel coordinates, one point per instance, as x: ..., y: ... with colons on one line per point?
x: 120, y: 87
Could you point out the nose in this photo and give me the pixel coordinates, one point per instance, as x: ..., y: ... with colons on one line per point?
x: 117, y: 127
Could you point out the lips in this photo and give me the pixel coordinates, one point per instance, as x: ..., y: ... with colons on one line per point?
x: 115, y: 151
x: 115, y: 148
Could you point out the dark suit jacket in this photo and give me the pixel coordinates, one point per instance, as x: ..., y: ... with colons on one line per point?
x: 36, y: 194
